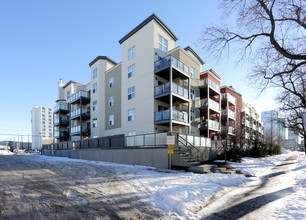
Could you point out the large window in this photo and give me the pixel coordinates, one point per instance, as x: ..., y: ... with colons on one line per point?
x: 94, y: 73
x: 131, y: 133
x: 111, y: 101
x: 162, y: 44
x: 131, y: 115
x: 111, y: 120
x: 94, y: 123
x: 192, y: 94
x: 94, y: 88
x: 111, y: 82
x: 131, y: 93
x: 192, y: 115
x: 68, y: 94
x: 131, y: 53
x: 94, y: 105
x: 131, y: 70
x: 192, y: 71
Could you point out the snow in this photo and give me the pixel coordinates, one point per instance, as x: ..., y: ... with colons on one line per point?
x: 5, y: 152
x: 180, y: 195
x: 295, y: 205
x: 259, y: 166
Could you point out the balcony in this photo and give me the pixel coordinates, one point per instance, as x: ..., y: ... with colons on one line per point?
x: 61, y: 108
x: 208, y: 82
x: 209, y: 103
x: 231, y: 99
x: 77, y: 130
x: 231, y: 130
x: 61, y: 121
x: 229, y: 113
x: 163, y: 117
x: 180, y: 70
x: 162, y: 92
x: 245, y: 122
x: 81, y: 97
x: 254, y: 127
x: 210, y: 124
x: 63, y: 134
x: 80, y: 112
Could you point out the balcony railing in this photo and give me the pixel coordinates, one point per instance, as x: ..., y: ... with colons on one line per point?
x: 61, y: 107
x: 61, y: 120
x: 77, y: 129
x: 180, y: 90
x: 77, y: 112
x: 229, y: 98
x: 210, y: 124
x: 61, y: 134
x: 209, y: 82
x: 229, y: 113
x: 231, y: 130
x: 78, y: 95
x: 165, y: 88
x: 176, y: 115
x: 165, y: 62
x: 210, y: 103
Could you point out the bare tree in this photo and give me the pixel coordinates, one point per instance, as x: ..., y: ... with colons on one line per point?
x: 271, y: 35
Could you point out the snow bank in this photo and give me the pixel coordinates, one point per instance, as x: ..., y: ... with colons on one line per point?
x: 5, y: 152
x: 259, y: 166
x: 295, y: 205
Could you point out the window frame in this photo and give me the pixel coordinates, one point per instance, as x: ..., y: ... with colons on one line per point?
x: 95, y: 73
x: 192, y: 70
x: 132, y: 116
x: 131, y: 53
x: 131, y: 72
x: 111, y: 82
x: 95, y: 105
x: 162, y: 44
x: 94, y: 122
x: 94, y: 87
x: 131, y: 93
x: 192, y: 94
x: 111, y: 120
x: 111, y: 101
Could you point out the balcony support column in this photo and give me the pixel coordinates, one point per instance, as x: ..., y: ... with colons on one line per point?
x: 171, y: 98
x: 81, y: 118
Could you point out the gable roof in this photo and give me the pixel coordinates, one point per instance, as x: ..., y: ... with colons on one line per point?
x: 146, y: 21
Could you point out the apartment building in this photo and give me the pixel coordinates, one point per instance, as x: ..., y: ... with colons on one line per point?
x: 41, y: 126
x: 157, y: 87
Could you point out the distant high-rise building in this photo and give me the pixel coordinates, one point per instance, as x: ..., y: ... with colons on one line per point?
x: 292, y: 135
x: 269, y: 119
x: 281, y: 130
x: 42, y: 126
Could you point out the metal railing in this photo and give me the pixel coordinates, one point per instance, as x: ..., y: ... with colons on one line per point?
x: 210, y: 103
x: 78, y: 112
x: 165, y: 62
x: 79, y: 94
x: 176, y: 115
x: 165, y: 88
x: 229, y: 98
x: 229, y: 113
x: 64, y: 107
x: 150, y: 140
x: 209, y: 82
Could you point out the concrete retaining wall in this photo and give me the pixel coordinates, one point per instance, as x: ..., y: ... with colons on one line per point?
x: 147, y: 156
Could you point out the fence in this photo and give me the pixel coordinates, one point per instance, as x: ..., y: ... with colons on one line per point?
x: 155, y: 139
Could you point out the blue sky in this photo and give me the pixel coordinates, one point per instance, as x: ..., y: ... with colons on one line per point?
x: 43, y: 41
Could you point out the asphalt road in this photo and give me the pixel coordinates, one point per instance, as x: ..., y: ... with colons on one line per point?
x: 61, y: 190
x: 257, y: 199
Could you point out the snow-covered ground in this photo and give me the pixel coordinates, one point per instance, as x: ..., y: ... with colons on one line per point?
x: 180, y: 195
x: 295, y: 205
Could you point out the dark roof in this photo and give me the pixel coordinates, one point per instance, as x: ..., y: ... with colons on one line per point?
x: 68, y: 83
x: 142, y: 24
x: 102, y: 58
x: 195, y: 54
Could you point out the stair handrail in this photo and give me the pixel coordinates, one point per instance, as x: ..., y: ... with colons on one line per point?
x: 188, y: 145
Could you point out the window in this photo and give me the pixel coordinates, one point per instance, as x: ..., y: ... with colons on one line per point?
x: 94, y: 105
x: 162, y: 44
x: 94, y: 123
x: 68, y: 94
x: 94, y: 88
x: 131, y: 93
x: 111, y: 101
x: 192, y: 72
x: 111, y: 82
x: 111, y: 120
x: 192, y: 115
x: 131, y: 133
x: 131, y: 71
x: 131, y: 53
x: 131, y: 115
x: 94, y: 73
x: 192, y: 94
x: 43, y: 115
